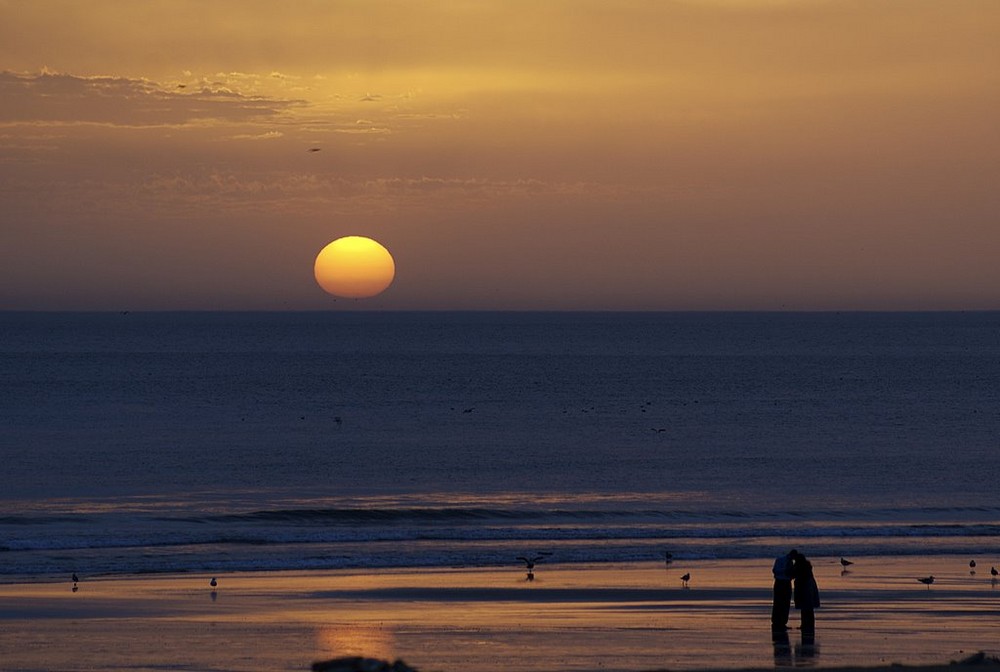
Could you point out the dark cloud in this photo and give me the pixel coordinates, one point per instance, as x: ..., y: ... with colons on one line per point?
x: 62, y: 98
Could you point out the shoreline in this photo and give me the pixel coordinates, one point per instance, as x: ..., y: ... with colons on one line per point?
x: 633, y: 617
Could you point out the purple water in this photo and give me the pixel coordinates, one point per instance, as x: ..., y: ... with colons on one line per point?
x: 211, y: 441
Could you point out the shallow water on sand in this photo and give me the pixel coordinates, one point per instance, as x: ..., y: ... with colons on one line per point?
x: 578, y: 617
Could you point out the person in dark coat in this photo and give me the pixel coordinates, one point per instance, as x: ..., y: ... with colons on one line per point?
x: 806, y: 592
x: 782, y: 570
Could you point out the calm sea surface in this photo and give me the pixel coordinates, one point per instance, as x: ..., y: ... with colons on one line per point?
x: 234, y: 441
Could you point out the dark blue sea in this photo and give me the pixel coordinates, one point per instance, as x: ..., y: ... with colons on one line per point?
x: 173, y: 442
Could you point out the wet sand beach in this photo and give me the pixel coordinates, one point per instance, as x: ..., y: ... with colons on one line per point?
x: 570, y: 617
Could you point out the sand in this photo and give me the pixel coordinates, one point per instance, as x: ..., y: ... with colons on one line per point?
x: 570, y: 617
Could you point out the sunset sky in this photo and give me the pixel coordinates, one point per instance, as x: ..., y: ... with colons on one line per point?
x: 553, y: 154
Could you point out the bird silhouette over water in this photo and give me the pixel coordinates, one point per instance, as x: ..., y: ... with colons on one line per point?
x: 845, y: 563
x: 529, y: 563
x: 927, y: 581
x: 972, y: 566
x: 76, y: 579
x: 213, y: 582
x: 685, y: 579
x: 668, y: 557
x: 994, y: 572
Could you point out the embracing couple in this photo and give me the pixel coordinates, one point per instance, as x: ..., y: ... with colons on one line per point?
x: 788, y: 568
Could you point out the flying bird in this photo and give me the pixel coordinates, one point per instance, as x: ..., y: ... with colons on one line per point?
x: 927, y: 581
x: 529, y: 563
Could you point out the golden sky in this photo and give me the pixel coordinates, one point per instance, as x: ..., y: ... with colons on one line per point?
x: 560, y: 154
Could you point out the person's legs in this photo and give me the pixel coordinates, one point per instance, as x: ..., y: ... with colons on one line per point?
x: 808, y: 620
x: 782, y: 603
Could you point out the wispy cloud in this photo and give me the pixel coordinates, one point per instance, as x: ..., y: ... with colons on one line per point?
x: 55, y: 98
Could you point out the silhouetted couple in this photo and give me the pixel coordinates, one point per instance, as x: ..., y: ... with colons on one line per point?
x: 794, y: 567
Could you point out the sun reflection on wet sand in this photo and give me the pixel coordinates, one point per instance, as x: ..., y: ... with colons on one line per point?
x: 368, y: 640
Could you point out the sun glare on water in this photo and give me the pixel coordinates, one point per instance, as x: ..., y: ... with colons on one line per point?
x: 354, y: 267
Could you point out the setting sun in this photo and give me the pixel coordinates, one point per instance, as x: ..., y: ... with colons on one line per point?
x: 354, y: 267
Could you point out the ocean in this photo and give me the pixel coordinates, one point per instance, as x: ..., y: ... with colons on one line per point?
x: 210, y: 442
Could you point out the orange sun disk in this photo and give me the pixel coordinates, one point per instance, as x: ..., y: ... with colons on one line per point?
x: 354, y: 267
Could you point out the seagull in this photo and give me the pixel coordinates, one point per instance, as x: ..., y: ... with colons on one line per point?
x: 686, y: 578
x: 972, y: 566
x: 76, y: 579
x: 845, y: 563
x: 994, y: 572
x: 213, y: 582
x: 927, y: 581
x: 529, y: 563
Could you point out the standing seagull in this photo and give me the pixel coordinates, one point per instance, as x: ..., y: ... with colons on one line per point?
x: 994, y: 572
x: 927, y: 581
x: 972, y: 566
x: 845, y: 563
x: 685, y: 579
x: 213, y: 582
x: 76, y: 579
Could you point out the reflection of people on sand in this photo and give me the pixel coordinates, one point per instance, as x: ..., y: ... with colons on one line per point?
x: 782, y: 602
x: 806, y: 648
x: 782, y: 647
x: 806, y: 592
x: 804, y: 653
